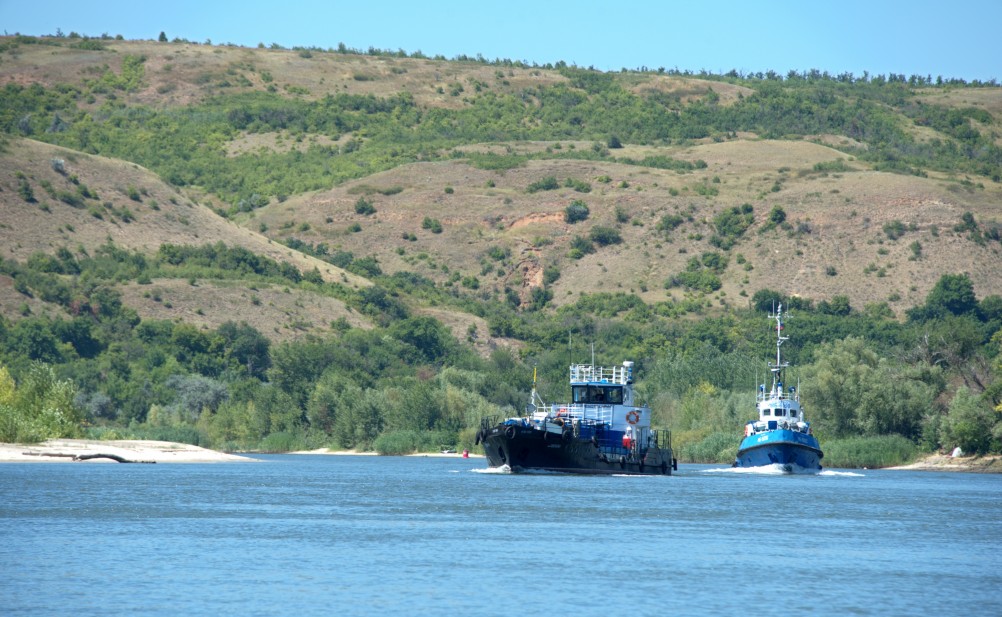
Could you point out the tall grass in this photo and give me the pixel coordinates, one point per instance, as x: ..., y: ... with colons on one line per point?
x: 871, y: 452
x: 719, y: 447
x: 411, y: 442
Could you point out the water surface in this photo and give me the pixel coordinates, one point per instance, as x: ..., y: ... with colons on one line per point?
x: 357, y: 535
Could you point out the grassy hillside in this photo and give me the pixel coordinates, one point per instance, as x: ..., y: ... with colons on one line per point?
x: 496, y: 233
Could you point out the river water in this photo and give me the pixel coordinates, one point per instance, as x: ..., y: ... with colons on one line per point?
x: 362, y: 535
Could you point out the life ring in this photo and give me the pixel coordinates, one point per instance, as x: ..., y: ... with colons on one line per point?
x: 562, y: 412
x: 633, y: 417
x: 510, y: 432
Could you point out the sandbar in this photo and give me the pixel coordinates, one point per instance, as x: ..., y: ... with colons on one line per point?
x: 131, y: 450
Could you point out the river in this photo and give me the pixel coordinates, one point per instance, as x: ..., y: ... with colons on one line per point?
x: 361, y: 535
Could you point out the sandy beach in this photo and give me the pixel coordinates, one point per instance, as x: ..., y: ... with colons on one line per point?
x: 137, y: 451
x: 945, y: 462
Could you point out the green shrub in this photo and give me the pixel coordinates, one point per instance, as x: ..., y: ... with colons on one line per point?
x: 364, y: 207
x: 719, y: 447
x: 669, y: 222
x: 604, y: 236
x: 894, y: 229
x: 433, y: 225
x: 869, y: 452
x: 283, y: 442
x: 396, y: 443
x: 548, y: 183
x: 577, y: 211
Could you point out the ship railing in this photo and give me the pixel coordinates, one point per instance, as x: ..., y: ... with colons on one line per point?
x: 611, y: 444
x: 588, y: 373
x: 780, y: 396
x: 588, y: 414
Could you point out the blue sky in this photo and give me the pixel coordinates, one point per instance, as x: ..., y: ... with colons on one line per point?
x: 961, y: 38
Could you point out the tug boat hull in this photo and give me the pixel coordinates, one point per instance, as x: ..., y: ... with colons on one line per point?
x: 793, y: 451
x: 525, y: 449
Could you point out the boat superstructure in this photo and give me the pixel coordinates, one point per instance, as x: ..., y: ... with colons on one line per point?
x: 602, y: 430
x: 781, y: 435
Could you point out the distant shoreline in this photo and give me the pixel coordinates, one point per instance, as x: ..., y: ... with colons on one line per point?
x: 329, y: 452
x: 991, y: 463
x: 149, y: 451
x: 128, y: 450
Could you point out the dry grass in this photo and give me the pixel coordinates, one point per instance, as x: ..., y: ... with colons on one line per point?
x: 278, y: 312
x: 844, y: 213
x: 840, y: 216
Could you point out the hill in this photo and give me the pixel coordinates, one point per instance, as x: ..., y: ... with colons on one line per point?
x: 849, y: 228
x: 154, y: 214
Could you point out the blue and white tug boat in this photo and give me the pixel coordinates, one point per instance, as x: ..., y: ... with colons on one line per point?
x: 781, y: 436
x: 603, y: 430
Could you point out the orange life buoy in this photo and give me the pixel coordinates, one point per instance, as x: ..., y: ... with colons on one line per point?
x: 633, y: 417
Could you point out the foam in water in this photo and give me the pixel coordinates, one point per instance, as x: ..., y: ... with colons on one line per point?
x: 845, y: 474
x: 764, y: 470
x: 503, y: 469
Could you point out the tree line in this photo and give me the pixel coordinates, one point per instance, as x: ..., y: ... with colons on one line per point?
x: 933, y: 380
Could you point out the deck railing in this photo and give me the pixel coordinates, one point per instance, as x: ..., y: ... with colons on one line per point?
x: 588, y: 373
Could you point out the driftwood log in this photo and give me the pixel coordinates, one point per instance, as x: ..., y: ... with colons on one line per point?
x: 87, y: 457
x: 114, y: 457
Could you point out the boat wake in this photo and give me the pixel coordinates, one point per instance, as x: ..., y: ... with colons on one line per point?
x: 503, y: 469
x: 764, y: 470
x: 843, y: 474
x: 767, y: 470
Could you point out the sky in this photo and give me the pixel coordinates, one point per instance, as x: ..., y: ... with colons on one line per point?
x: 956, y: 39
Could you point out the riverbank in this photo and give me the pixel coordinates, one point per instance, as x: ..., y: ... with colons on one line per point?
x: 327, y: 451
x: 943, y: 462
x: 96, y: 451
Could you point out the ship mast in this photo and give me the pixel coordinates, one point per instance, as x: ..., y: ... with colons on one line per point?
x: 777, y: 368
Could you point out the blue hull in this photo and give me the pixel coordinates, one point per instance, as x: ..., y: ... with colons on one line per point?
x: 792, y: 450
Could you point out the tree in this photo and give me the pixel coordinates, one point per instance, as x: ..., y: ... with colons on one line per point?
x: 839, y: 305
x: 766, y: 300
x: 163, y: 37
x: 40, y: 407
x: 952, y: 294
x: 968, y: 424
x: 852, y: 390
x: 426, y: 334
x: 246, y: 347
x: 195, y: 394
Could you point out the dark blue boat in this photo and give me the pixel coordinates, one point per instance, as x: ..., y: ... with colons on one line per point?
x: 781, y: 437
x: 603, y: 430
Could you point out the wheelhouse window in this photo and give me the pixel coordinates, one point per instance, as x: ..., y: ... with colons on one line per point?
x: 793, y: 413
x: 780, y: 412
x: 597, y: 395
x: 766, y: 412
